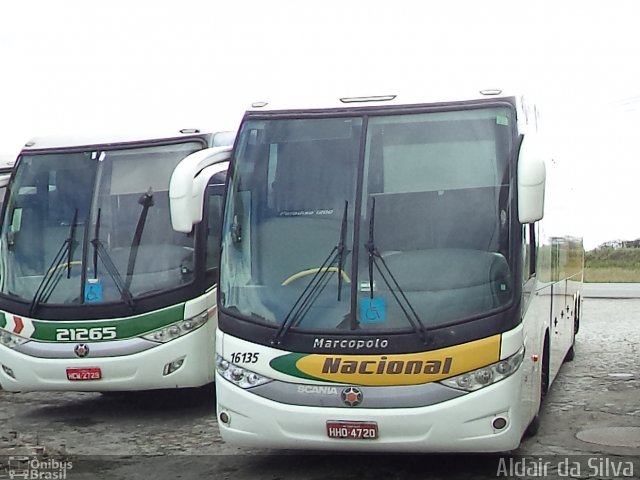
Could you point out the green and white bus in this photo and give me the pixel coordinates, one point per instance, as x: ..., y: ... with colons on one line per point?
x: 393, y: 275
x: 98, y: 292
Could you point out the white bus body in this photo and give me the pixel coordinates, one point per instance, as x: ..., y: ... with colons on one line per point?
x: 391, y: 278
x: 6, y: 166
x: 98, y: 291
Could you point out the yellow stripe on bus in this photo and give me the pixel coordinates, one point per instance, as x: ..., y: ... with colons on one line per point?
x: 402, y: 369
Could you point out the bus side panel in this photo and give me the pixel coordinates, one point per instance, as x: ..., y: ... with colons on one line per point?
x: 560, y: 261
x: 535, y: 323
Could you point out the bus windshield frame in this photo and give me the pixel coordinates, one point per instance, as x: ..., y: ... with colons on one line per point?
x: 378, y: 221
x: 89, y: 228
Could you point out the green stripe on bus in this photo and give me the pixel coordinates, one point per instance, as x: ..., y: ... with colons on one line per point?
x: 287, y: 364
x: 46, y: 330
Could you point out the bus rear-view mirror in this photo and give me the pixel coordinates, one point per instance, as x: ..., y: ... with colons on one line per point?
x: 531, y: 183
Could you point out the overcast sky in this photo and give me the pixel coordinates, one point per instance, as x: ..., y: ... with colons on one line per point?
x: 80, y: 66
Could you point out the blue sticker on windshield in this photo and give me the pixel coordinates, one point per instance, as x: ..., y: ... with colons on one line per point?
x: 373, y: 310
x: 93, y: 291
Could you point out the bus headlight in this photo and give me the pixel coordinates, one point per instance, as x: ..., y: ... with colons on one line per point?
x: 11, y: 340
x: 171, y: 332
x: 488, y: 375
x: 239, y: 376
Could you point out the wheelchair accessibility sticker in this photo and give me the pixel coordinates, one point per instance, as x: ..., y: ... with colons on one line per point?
x: 373, y: 310
x: 93, y: 291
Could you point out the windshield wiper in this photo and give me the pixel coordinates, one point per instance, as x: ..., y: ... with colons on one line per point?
x: 54, y: 273
x: 341, y: 248
x: 375, y: 259
x: 112, y: 270
x: 317, y: 284
x: 96, y: 236
x: 146, y: 200
x: 72, y: 239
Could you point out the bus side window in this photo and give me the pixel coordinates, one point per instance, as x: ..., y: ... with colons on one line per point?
x: 529, y: 253
x: 213, y: 231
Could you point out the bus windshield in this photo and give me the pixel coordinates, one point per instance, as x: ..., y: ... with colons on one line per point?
x: 383, y: 222
x: 85, y: 227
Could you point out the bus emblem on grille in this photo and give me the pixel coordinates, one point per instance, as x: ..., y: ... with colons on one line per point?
x: 81, y: 350
x: 351, y: 396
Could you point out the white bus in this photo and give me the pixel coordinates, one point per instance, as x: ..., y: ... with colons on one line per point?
x: 97, y: 291
x: 6, y: 166
x: 387, y: 280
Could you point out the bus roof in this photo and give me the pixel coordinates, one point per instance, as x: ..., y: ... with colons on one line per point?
x: 313, y: 103
x: 117, y: 139
x: 6, y: 163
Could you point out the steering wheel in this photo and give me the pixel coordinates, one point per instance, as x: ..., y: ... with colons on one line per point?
x: 313, y: 271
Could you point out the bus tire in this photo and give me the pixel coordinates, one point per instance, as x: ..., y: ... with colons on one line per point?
x: 544, y: 374
x: 571, y: 353
x: 577, y: 308
x: 534, y: 425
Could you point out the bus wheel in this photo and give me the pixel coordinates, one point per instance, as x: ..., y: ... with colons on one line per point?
x: 571, y: 353
x: 532, y: 428
x: 576, y: 318
x: 544, y: 381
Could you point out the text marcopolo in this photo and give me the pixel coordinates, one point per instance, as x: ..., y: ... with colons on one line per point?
x: 350, y: 343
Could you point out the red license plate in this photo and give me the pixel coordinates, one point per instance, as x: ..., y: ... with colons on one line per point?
x: 88, y: 373
x: 352, y: 430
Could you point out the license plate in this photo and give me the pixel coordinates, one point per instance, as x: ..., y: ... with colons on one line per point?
x: 88, y: 373
x: 352, y: 430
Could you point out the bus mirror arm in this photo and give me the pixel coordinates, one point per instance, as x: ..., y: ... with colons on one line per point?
x: 189, y: 182
x: 531, y: 185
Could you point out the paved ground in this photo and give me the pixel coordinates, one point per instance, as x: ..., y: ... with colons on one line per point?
x: 175, y: 435
x: 611, y: 290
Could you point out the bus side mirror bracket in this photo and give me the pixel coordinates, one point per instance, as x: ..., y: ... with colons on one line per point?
x: 189, y: 182
x: 531, y: 185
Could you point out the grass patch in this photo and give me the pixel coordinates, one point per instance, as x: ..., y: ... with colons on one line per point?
x: 612, y: 265
x: 611, y: 275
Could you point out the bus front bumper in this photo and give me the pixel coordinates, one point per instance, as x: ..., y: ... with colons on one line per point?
x: 140, y: 371
x: 463, y: 424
